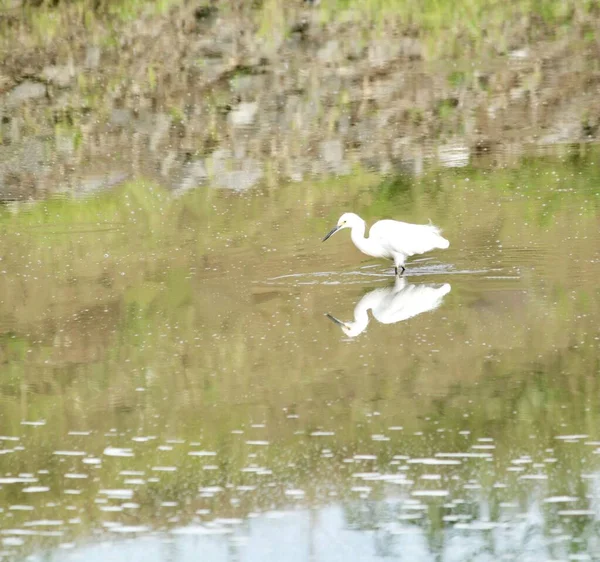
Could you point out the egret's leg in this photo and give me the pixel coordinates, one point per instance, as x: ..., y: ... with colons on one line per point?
x: 401, y: 268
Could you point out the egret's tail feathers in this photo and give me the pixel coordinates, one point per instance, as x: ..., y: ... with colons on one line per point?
x: 443, y: 243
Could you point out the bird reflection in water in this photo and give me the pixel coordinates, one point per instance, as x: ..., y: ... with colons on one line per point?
x: 396, y: 303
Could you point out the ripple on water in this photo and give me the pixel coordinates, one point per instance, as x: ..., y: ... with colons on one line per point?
x: 35, y: 489
x: 118, y: 452
x: 117, y: 493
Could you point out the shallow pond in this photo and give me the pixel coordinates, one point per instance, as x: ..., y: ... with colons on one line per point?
x: 171, y: 384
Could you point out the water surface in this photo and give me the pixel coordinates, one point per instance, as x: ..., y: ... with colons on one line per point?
x: 171, y: 384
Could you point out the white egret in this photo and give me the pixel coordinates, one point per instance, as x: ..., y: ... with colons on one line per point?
x: 390, y: 239
x: 393, y: 304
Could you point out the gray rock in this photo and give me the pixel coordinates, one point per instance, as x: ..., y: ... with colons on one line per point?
x: 121, y: 117
x: 240, y: 180
x: 219, y: 161
x: 455, y: 155
x: 92, y: 184
x: 60, y: 76
x: 244, y: 114
x: 162, y: 125
x: 194, y: 174
x: 332, y: 151
x: 330, y: 53
x: 92, y: 57
x: 332, y: 157
x: 25, y: 91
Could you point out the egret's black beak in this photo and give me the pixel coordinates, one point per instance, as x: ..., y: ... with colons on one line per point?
x: 331, y: 233
x: 334, y: 319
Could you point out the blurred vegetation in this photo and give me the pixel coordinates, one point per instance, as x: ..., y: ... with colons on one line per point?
x: 447, y: 28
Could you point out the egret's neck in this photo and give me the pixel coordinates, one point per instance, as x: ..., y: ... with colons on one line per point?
x: 358, y: 237
x: 361, y: 317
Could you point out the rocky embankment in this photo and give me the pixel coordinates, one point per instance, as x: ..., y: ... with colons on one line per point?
x: 208, y: 95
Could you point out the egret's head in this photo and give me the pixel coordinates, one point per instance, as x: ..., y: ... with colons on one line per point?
x: 351, y: 329
x: 347, y: 220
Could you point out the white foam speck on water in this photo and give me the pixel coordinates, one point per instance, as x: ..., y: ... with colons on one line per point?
x: 15, y: 480
x: 575, y: 512
x: 294, y: 493
x: 483, y: 447
x: 430, y: 493
x: 434, y: 461
x: 210, y: 490
x: 478, y: 526
x: 132, y: 473
x: 21, y: 508
x: 134, y: 481
x: 130, y: 505
x: 574, y: 437
x: 34, y: 423
x: 200, y: 530
x: 258, y: 443
x: 367, y: 475
x: 117, y: 493
x: 414, y: 505
x: 322, y: 433
x: 70, y: 492
x: 111, y: 508
x: 464, y: 455
x: 365, y: 457
x: 76, y: 475
x: 560, y: 499
x: 143, y: 439
x: 91, y: 460
x: 232, y: 521
x: 395, y: 428
x: 44, y: 523
x: 379, y: 438
x: 12, y: 541
x: 534, y: 477
x: 202, y: 453
x: 431, y: 477
x: 361, y: 489
x: 9, y: 438
x: 164, y: 468
x: 117, y: 452
x: 129, y: 528
x: 69, y: 453
x: 80, y: 433
x: 35, y: 489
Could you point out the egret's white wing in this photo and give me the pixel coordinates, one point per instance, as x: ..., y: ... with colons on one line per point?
x: 408, y: 302
x: 408, y: 239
